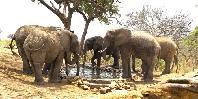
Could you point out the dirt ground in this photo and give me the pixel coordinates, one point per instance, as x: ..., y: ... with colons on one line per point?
x: 14, y: 84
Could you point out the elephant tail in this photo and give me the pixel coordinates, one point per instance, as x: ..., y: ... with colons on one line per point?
x: 176, y: 58
x: 12, y: 46
x: 176, y: 61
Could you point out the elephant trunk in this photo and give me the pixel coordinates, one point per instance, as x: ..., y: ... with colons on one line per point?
x: 104, y: 55
x: 74, y: 59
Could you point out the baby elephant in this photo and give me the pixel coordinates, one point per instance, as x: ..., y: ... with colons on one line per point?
x: 49, y: 48
x: 95, y: 44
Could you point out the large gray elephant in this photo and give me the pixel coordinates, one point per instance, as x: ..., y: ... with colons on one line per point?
x: 47, y: 47
x: 20, y: 36
x: 131, y: 43
x: 168, y: 53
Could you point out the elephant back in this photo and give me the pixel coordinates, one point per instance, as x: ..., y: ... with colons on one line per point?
x: 35, y: 40
x: 168, y: 47
x: 143, y: 42
x: 22, y: 33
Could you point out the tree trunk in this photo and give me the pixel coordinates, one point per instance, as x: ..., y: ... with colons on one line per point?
x: 84, y: 34
x: 64, y: 19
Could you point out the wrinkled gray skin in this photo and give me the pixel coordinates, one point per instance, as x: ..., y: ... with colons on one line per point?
x: 130, y: 43
x: 168, y: 53
x: 20, y: 36
x: 47, y: 47
x: 95, y: 44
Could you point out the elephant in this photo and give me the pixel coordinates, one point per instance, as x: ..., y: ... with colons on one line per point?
x: 20, y: 36
x: 130, y: 43
x: 95, y: 44
x: 168, y: 52
x: 50, y: 48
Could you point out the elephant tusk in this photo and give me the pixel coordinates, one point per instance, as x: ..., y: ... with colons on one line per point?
x: 101, y: 51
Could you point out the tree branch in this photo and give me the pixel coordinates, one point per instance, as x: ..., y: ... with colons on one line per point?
x: 62, y: 17
x: 116, y: 20
x: 53, y: 6
x: 49, y: 7
x: 83, y: 14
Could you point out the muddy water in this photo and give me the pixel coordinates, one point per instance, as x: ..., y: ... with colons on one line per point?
x: 88, y: 72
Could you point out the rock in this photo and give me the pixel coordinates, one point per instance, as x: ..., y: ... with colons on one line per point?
x: 113, y: 85
x: 179, y: 81
x: 84, y: 87
x: 126, y: 86
x: 108, y: 89
x: 85, y: 82
x: 120, y: 84
x: 103, y: 90
x: 79, y: 82
x: 93, y: 85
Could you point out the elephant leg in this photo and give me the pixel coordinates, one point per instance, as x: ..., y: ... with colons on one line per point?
x: 78, y: 68
x: 149, y: 67
x: 38, y: 73
x: 125, y: 57
x: 46, y: 68
x: 116, y: 60
x: 26, y: 65
x: 168, y: 64
x: 98, y: 66
x: 143, y: 67
x: 66, y: 64
x: 54, y: 76
x: 129, y: 66
x: 93, y: 64
x: 133, y: 64
x: 92, y: 61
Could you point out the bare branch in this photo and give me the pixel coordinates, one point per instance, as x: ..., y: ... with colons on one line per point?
x: 120, y: 23
x: 83, y: 14
x: 53, y: 6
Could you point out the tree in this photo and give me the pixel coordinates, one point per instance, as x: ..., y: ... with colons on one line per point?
x: 159, y: 23
x: 191, y: 42
x: 61, y: 8
x: 103, y: 10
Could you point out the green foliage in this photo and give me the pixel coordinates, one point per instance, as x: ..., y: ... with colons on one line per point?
x: 160, y: 64
x: 101, y: 9
x: 192, y: 39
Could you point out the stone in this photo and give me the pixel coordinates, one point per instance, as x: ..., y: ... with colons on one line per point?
x: 103, y: 90
x: 84, y: 87
x: 126, y: 86
x: 108, y: 89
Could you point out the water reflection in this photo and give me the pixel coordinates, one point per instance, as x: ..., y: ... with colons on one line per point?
x: 87, y: 72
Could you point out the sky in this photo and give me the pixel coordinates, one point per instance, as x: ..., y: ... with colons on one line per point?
x: 16, y: 13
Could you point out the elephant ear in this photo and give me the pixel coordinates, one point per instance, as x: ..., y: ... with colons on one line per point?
x: 97, y: 45
x: 111, y: 35
x: 74, y: 42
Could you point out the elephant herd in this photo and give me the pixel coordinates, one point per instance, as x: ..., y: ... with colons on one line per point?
x: 43, y: 49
